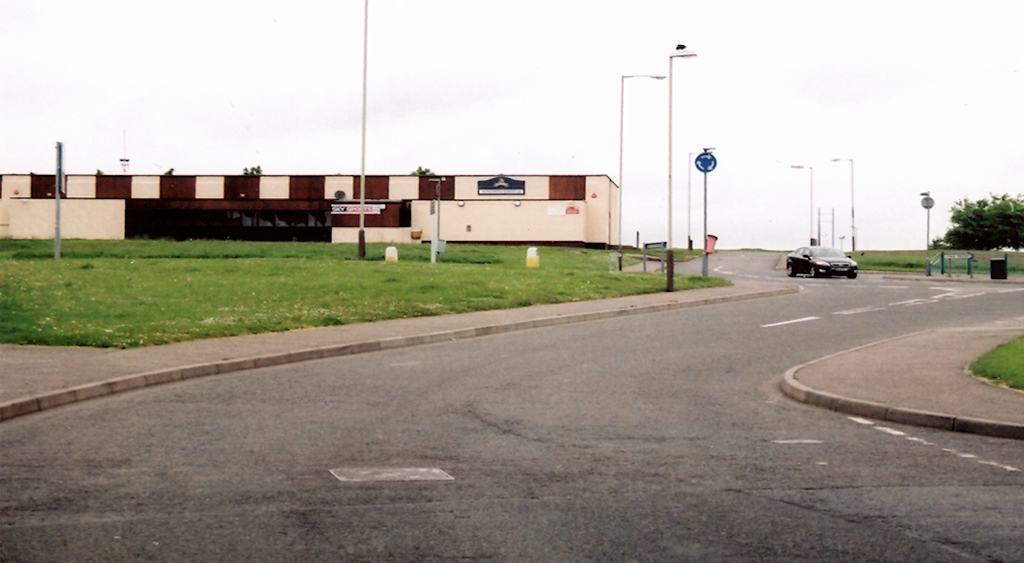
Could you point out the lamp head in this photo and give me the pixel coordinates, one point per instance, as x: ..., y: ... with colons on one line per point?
x: 681, y: 51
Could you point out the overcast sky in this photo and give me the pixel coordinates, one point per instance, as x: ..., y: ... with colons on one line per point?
x: 922, y: 95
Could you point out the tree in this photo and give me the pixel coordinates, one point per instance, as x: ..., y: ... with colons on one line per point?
x: 254, y: 171
x: 170, y: 172
x: 987, y: 224
x: 421, y: 171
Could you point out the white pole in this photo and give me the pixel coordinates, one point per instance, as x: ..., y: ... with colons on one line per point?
x: 58, y: 186
x: 362, y: 153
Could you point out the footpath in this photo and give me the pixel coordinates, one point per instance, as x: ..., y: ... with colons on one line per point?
x: 893, y: 380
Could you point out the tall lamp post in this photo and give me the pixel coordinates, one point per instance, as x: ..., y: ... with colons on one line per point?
x: 362, y: 151
x: 853, y: 222
x: 670, y: 257
x: 811, y: 168
x: 622, y: 117
x: 927, y: 202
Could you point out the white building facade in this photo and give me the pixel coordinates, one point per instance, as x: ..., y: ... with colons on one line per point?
x: 504, y: 209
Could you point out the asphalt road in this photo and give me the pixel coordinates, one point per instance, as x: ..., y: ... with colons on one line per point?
x: 658, y: 437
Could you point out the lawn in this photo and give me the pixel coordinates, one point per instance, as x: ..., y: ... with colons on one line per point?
x: 1004, y: 365
x: 147, y: 292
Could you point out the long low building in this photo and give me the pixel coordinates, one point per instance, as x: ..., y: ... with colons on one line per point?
x: 541, y: 210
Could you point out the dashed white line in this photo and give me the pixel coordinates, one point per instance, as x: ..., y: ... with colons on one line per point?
x: 923, y: 442
x: 803, y: 320
x: 797, y: 442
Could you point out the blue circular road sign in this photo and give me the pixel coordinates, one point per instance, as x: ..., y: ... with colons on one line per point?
x: 706, y: 162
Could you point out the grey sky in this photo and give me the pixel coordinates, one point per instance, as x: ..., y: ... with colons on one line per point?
x: 923, y: 95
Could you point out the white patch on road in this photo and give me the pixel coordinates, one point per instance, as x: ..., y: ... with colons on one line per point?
x: 861, y: 310
x: 803, y: 320
x: 923, y: 442
x: 391, y: 474
x: 797, y: 442
x: 912, y: 302
x: 891, y: 431
x: 1016, y: 289
x: 863, y: 421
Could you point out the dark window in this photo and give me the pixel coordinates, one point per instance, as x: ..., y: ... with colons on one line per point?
x: 377, y: 187
x: 567, y: 187
x: 113, y: 187
x: 43, y: 186
x: 428, y: 187
x: 177, y: 187
x: 241, y: 187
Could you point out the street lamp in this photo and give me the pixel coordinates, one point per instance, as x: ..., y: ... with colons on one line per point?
x: 811, y: 168
x: 680, y: 52
x: 362, y: 152
x: 622, y: 115
x: 853, y: 229
x: 927, y: 202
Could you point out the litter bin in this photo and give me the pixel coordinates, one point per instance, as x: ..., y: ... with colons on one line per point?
x: 998, y: 268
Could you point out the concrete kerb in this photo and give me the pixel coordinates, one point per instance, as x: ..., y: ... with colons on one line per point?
x: 867, y: 409
x: 39, y: 403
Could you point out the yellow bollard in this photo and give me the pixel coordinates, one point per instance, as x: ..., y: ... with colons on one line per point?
x: 391, y: 254
x: 532, y: 258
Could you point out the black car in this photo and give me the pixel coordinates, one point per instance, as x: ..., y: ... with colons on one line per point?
x: 820, y: 261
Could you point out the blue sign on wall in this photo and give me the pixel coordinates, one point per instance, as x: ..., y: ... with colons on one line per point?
x: 501, y: 185
x: 706, y: 162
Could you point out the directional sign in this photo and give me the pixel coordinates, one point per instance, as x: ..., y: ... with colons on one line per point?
x: 706, y: 162
x: 927, y: 202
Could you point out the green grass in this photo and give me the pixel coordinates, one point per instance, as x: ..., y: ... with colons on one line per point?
x: 914, y: 261
x: 149, y: 292
x: 1004, y: 365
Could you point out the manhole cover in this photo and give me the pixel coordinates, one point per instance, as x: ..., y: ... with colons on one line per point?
x: 391, y: 474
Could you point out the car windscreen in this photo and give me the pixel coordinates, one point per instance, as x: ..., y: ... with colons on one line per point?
x: 828, y: 253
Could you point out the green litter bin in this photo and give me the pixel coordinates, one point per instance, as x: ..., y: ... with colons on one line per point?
x: 998, y: 268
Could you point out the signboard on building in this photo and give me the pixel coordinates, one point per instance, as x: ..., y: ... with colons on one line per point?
x: 353, y: 209
x: 501, y: 185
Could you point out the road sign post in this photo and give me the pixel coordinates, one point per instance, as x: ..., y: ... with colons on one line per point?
x: 705, y: 162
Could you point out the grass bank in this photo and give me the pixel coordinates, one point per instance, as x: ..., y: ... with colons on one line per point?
x: 1004, y: 365
x: 146, y: 292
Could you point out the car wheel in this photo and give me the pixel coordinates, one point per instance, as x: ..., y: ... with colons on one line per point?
x: 815, y: 272
x: 852, y: 275
x: 789, y: 270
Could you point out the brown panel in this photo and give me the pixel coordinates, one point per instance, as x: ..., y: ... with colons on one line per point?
x: 241, y: 187
x: 428, y: 189
x: 390, y: 217
x: 306, y: 187
x: 177, y: 187
x: 567, y: 187
x: 377, y: 187
x: 229, y: 205
x: 113, y: 187
x: 43, y: 186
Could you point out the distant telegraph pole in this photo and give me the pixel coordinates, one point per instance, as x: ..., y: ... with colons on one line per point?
x: 58, y: 187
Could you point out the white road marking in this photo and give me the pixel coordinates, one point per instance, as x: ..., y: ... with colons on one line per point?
x: 1011, y: 290
x: 803, y: 320
x: 391, y: 474
x: 861, y: 310
x: 912, y: 302
x: 797, y: 442
x: 923, y: 442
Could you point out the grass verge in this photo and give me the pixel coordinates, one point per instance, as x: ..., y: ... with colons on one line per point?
x: 146, y: 292
x: 1004, y: 365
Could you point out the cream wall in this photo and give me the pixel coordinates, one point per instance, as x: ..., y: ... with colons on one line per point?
x: 404, y: 187
x: 80, y: 186
x: 395, y: 236
x: 210, y: 187
x: 274, y: 187
x: 338, y: 183
x: 502, y: 220
x: 145, y: 187
x: 601, y: 209
x: 11, y: 184
x: 79, y: 218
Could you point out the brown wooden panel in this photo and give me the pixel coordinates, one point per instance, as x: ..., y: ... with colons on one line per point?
x: 43, y: 186
x: 306, y: 187
x: 241, y: 187
x: 391, y: 216
x: 113, y: 187
x: 229, y: 205
x: 377, y: 187
x: 428, y: 188
x: 177, y: 187
x: 567, y: 187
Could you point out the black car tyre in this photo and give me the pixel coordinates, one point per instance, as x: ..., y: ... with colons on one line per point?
x: 852, y: 275
x: 815, y: 272
x: 790, y: 271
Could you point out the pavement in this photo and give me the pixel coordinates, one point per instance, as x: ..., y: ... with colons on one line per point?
x: 889, y: 380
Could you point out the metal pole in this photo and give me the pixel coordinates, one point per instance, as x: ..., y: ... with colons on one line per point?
x: 622, y: 121
x: 362, y: 153
x: 704, y: 261
x: 58, y: 187
x: 669, y: 281
x: 853, y: 220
